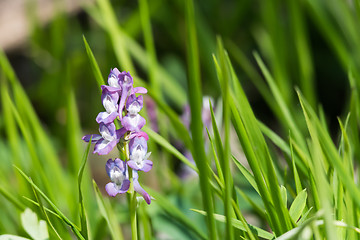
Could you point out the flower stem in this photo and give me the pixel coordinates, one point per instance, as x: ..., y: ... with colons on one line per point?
x: 131, y: 199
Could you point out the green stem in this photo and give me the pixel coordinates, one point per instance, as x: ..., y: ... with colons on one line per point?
x: 132, y: 208
x: 131, y: 198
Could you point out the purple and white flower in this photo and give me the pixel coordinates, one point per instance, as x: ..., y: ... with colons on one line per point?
x: 110, y: 102
x: 139, y: 155
x: 118, y: 173
x: 107, y: 139
x: 117, y: 95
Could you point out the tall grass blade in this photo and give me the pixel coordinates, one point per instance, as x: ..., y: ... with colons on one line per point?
x: 195, y: 100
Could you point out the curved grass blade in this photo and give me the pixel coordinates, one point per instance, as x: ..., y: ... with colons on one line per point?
x: 94, y: 65
x: 240, y: 225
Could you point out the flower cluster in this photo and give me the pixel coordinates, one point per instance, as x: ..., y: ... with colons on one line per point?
x: 122, y: 106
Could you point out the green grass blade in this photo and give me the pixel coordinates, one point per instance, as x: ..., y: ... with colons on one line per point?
x: 94, y: 66
x: 195, y: 100
x: 298, y: 205
x: 225, y: 79
x: 239, y: 225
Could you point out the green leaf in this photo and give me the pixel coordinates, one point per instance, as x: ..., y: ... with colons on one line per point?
x: 94, y: 66
x: 36, y: 229
x: 196, y: 124
x: 239, y: 225
x: 283, y: 195
x: 298, y: 205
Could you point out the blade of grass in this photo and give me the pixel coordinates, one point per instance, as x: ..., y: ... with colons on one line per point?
x: 239, y: 225
x: 195, y: 100
x: 94, y: 66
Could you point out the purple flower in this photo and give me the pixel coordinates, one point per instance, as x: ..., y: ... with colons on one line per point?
x: 108, y: 139
x: 139, y: 155
x: 139, y: 189
x: 117, y: 171
x: 134, y: 104
x: 110, y: 102
x: 133, y: 123
x: 113, y: 78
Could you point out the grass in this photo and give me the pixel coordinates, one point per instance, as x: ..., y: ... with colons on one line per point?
x: 285, y: 168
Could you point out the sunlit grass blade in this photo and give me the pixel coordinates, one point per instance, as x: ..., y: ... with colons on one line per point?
x: 239, y: 225
x: 331, y: 151
x: 298, y: 205
x: 249, y: 177
x: 224, y: 76
x: 260, y: 161
x: 196, y: 126
x: 108, y: 213
x: 94, y: 66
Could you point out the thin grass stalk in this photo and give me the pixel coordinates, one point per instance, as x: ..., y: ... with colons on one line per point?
x: 195, y: 99
x: 225, y: 80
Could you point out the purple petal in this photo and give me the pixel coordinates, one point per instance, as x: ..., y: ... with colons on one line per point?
x: 111, y: 189
x: 133, y: 123
x: 110, y: 100
x: 113, y: 78
x: 111, y: 89
x: 133, y: 165
x: 126, y: 80
x: 104, y: 147
x: 139, y: 134
x: 95, y: 138
x: 139, y: 189
x: 106, y: 118
x: 108, y: 129
x: 109, y: 165
x: 138, y: 141
x: 147, y: 166
x: 123, y: 97
x: 141, y: 90
x: 120, y: 132
x: 120, y: 164
x: 125, y: 186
